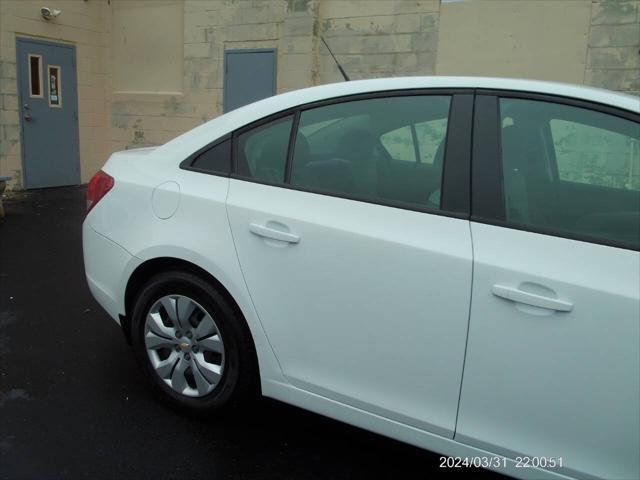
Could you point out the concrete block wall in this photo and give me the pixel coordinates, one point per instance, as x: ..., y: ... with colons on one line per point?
x: 613, y: 59
x: 596, y: 42
x: 378, y: 39
x: 83, y: 24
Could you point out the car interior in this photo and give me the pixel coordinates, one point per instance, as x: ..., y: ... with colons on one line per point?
x: 357, y: 149
x: 536, y: 195
x: 347, y: 156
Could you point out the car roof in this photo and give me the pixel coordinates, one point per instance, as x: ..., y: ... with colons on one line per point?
x: 220, y: 126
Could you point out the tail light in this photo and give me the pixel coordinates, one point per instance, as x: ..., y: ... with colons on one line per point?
x: 98, y: 187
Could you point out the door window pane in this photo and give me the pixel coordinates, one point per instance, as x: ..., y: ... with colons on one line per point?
x: 399, y: 144
x: 595, y: 156
x: 55, y: 83
x: 571, y: 169
x: 366, y: 149
x: 262, y: 151
x: 430, y: 137
x: 35, y: 76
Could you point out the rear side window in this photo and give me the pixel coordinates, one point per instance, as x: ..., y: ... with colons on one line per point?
x: 217, y: 159
x: 400, y: 144
x: 262, y: 151
x: 418, y: 142
x: 373, y: 149
x: 572, y: 170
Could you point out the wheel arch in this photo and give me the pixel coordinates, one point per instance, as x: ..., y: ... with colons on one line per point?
x: 153, y: 266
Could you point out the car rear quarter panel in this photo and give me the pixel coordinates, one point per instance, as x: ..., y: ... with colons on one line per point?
x: 198, y: 232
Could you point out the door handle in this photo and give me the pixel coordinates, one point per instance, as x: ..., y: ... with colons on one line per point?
x: 518, y: 296
x: 268, y: 232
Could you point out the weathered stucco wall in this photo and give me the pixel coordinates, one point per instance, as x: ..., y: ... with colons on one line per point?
x: 378, y: 39
x: 141, y: 86
x: 613, y: 61
x: 545, y: 39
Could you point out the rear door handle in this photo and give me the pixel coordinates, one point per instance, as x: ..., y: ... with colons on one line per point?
x: 272, y: 233
x: 518, y: 296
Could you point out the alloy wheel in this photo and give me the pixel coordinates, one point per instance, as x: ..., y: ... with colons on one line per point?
x: 184, y: 345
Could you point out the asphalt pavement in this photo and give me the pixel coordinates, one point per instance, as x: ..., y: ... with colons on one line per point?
x: 73, y: 403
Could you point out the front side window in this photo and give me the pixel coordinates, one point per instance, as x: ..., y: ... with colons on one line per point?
x: 596, y: 156
x: 571, y: 169
x: 262, y: 151
x: 377, y: 149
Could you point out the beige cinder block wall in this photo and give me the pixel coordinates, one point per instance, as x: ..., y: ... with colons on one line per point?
x: 595, y: 42
x: 149, y: 70
x: 578, y: 41
x: 83, y: 24
x: 372, y: 38
x: 543, y: 39
x: 613, y: 58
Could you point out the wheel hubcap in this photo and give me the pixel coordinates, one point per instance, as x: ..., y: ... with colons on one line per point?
x: 184, y: 345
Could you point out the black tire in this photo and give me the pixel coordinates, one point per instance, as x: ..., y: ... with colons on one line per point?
x: 239, y: 384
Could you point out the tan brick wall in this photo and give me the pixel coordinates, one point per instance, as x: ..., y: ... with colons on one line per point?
x: 581, y: 41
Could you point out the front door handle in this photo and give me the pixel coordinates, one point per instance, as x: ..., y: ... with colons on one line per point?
x: 273, y: 233
x: 518, y: 296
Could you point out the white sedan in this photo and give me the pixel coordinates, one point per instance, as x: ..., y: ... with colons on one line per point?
x: 451, y: 262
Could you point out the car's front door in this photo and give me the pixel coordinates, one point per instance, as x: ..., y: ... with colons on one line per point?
x: 552, y: 369
x: 358, y: 266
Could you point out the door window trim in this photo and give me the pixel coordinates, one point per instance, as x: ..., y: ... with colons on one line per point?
x: 488, y: 203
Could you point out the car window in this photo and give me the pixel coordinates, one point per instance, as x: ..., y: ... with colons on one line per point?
x: 351, y: 159
x: 217, y: 159
x: 595, y: 156
x: 262, y: 151
x: 430, y: 137
x: 572, y: 170
x: 418, y: 142
x: 319, y: 134
x: 399, y: 144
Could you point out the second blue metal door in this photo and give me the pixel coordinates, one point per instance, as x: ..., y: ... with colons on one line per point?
x: 249, y: 75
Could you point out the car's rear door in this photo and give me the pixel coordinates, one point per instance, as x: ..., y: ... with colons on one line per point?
x: 360, y: 271
x: 552, y: 372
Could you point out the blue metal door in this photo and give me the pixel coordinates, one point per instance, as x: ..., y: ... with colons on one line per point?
x: 249, y: 75
x: 49, y: 113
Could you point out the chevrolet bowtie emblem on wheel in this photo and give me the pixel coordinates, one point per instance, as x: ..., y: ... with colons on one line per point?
x: 184, y: 346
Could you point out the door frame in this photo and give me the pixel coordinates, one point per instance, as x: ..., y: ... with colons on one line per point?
x: 21, y: 100
x: 247, y: 50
